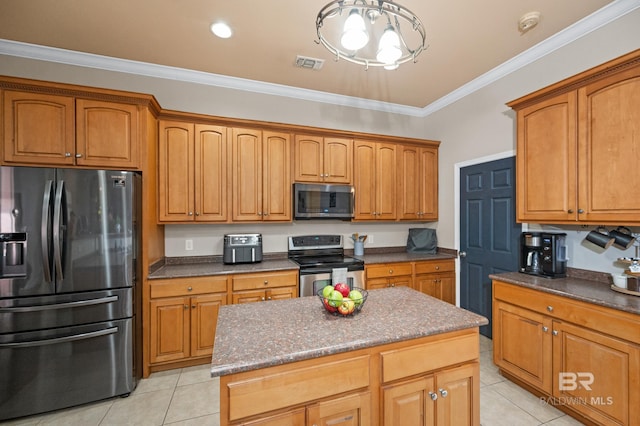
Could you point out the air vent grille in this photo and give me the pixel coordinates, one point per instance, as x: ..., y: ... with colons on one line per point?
x: 309, y: 63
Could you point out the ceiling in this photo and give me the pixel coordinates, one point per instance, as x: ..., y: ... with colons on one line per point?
x: 466, y: 39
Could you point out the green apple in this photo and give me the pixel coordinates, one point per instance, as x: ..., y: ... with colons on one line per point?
x: 335, y: 298
x: 326, y: 291
x: 356, y: 296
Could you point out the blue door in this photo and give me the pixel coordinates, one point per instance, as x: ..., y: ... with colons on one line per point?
x: 489, y: 234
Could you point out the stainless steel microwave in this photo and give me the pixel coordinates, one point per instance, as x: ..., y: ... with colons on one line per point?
x: 318, y: 201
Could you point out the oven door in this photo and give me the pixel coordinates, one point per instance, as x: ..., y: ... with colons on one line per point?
x: 310, y: 284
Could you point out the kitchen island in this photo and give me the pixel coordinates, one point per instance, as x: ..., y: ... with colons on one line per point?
x: 404, y: 355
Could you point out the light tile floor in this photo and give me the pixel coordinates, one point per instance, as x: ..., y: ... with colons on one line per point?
x: 188, y: 396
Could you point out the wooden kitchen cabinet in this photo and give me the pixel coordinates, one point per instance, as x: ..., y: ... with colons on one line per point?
x: 586, y: 356
x: 323, y: 159
x: 436, y: 278
x: 417, y: 183
x: 351, y: 410
x: 261, y: 176
x: 574, y: 139
x: 375, y: 181
x: 389, y: 275
x: 183, y: 316
x: 54, y: 130
x: 192, y: 172
x: 248, y: 288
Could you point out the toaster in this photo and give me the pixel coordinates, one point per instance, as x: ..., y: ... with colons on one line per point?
x: 242, y: 248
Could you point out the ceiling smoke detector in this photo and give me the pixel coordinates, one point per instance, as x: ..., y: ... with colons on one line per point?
x: 309, y: 63
x: 528, y: 21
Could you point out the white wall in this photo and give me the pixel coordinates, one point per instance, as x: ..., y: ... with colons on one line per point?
x: 481, y: 125
x: 477, y: 126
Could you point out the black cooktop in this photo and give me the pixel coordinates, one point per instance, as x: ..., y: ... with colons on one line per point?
x: 332, y: 261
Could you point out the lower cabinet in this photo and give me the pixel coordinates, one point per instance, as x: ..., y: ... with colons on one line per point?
x: 261, y: 287
x: 183, y: 317
x: 582, y: 357
x: 436, y: 278
x: 445, y: 398
x: 389, y: 275
x: 428, y: 381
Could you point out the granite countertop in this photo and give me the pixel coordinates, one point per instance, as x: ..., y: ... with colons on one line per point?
x: 376, y: 257
x: 216, y: 267
x: 596, y: 292
x: 263, y: 334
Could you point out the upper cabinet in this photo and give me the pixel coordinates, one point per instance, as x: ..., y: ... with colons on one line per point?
x: 261, y: 176
x: 192, y: 172
x: 375, y: 180
x: 56, y: 130
x: 417, y: 183
x: 577, y: 146
x: 323, y: 159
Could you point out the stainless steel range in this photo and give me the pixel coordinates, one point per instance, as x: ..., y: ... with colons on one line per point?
x: 322, y: 260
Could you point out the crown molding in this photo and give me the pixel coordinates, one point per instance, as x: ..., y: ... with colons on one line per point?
x: 603, y: 16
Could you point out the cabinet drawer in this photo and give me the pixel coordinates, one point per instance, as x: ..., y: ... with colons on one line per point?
x: 420, y: 359
x: 247, y: 397
x: 389, y: 270
x: 188, y: 286
x: 433, y: 266
x: 616, y: 323
x: 266, y: 280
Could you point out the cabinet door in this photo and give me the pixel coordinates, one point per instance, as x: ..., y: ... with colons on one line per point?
x: 597, y: 374
x: 169, y: 329
x: 291, y: 418
x: 249, y: 296
x: 353, y: 410
x: 447, y: 287
x: 440, y: 286
x: 308, y: 154
x: 546, y: 161
x: 39, y: 129
x: 409, y: 186
x: 522, y: 344
x: 281, y: 293
x: 429, y: 184
x: 364, y: 180
x: 210, y: 173
x: 204, y: 317
x: 246, y: 165
x: 608, y: 154
x: 276, y: 177
x: 409, y: 403
x: 107, y: 134
x: 458, y: 393
x: 338, y: 160
x: 386, y: 187
x: 176, y: 172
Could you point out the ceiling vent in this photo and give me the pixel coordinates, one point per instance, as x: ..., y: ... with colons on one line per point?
x: 309, y: 63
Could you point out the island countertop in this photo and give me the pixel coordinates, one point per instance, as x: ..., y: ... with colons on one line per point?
x: 264, y: 334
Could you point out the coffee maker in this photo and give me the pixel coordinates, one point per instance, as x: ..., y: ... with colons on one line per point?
x: 543, y: 254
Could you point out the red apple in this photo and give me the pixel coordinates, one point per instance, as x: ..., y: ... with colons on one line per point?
x: 343, y: 289
x: 327, y: 306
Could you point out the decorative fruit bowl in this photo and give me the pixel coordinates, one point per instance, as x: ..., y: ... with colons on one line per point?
x: 335, y: 302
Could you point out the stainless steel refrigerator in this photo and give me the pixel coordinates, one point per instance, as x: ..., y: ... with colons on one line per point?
x: 69, y: 301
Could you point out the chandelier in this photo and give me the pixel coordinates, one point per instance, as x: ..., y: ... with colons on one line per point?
x: 373, y: 33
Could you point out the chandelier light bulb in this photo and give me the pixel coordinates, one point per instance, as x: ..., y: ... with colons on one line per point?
x: 389, y: 47
x: 354, y: 35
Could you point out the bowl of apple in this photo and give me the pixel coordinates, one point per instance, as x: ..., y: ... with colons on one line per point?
x: 341, y: 300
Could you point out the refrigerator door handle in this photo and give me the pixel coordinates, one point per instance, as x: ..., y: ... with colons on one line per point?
x: 79, y: 303
x: 59, y: 229
x: 58, y: 340
x: 44, y: 230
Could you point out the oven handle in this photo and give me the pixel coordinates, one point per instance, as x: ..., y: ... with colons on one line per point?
x: 58, y: 340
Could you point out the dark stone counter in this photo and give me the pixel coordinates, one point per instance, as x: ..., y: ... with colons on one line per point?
x: 264, y: 334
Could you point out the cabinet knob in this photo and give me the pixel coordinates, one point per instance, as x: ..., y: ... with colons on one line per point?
x: 186, y: 307
x: 259, y: 213
x: 554, y: 332
x: 550, y: 308
x: 197, y: 213
x: 437, y: 268
x: 190, y: 213
x: 390, y: 271
x: 545, y: 329
x: 580, y: 211
x: 193, y: 306
x: 393, y: 284
x: 78, y: 155
x: 570, y: 211
x: 443, y: 392
x: 263, y: 298
x: 433, y: 396
x: 189, y: 288
x: 266, y: 282
x: 67, y: 154
x: 269, y: 298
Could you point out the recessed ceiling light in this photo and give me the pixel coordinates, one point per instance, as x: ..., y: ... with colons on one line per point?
x: 221, y: 29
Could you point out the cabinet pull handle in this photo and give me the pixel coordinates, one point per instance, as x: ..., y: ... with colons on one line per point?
x: 433, y: 396
x: 78, y: 155
x: 443, y: 392
x: 67, y: 154
x: 189, y: 288
x: 550, y: 308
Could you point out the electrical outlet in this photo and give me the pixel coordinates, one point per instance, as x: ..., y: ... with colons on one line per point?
x: 370, y: 239
x: 188, y: 244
